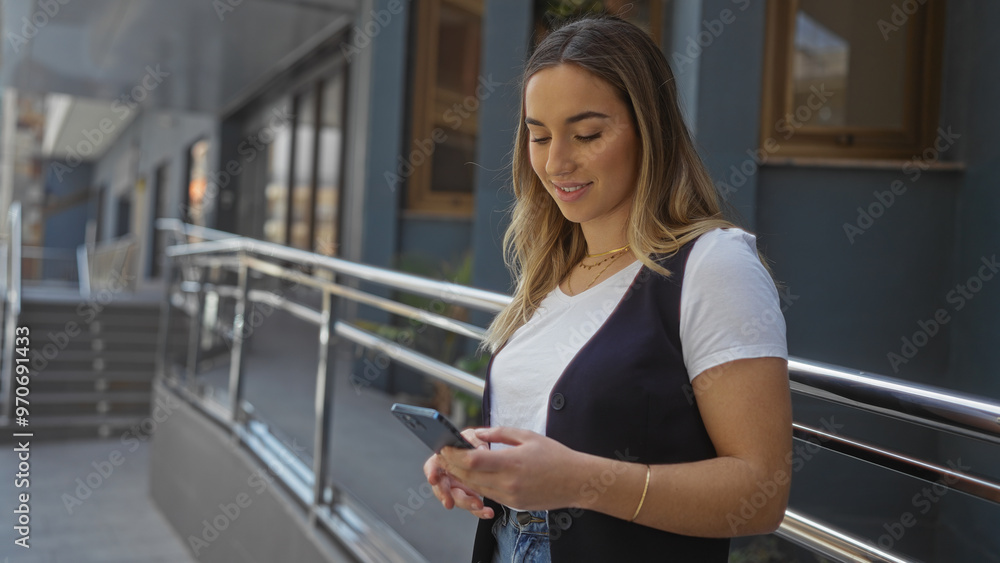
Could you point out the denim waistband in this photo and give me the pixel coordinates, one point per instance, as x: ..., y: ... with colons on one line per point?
x: 523, y: 518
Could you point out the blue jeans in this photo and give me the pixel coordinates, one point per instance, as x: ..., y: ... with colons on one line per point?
x: 522, y: 537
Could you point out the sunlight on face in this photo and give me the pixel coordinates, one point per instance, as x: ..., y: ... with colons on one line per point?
x: 582, y: 144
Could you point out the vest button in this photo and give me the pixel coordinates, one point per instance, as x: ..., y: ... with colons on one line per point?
x: 562, y: 520
x: 558, y: 401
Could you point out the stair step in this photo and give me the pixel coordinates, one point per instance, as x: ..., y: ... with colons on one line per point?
x: 81, y: 426
x: 41, y: 327
x: 101, y: 347
x: 46, y: 386
x: 67, y: 322
x: 108, y: 407
x: 97, y: 365
x: 105, y: 348
x: 113, y: 397
x: 91, y: 376
x: 118, y: 356
x: 89, y: 305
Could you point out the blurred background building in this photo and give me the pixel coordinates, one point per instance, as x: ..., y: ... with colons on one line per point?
x: 858, y: 139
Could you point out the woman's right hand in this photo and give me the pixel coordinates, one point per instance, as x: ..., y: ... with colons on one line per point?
x: 452, y: 492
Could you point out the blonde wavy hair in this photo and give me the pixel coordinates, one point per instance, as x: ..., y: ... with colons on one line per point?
x: 675, y: 200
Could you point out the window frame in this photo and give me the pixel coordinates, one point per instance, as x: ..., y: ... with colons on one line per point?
x: 429, y: 104
x: 921, y: 94
x: 324, y: 68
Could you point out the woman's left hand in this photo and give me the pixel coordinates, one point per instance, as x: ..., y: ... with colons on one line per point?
x: 537, y: 473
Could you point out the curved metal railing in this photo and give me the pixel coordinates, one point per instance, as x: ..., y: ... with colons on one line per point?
x: 12, y: 308
x: 943, y: 410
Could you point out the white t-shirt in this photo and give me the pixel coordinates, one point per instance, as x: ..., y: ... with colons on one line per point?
x: 729, y: 310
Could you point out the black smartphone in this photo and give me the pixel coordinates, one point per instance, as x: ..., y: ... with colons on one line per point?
x: 430, y: 426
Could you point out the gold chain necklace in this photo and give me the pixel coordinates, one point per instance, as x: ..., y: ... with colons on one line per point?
x: 608, y: 252
x: 595, y: 264
x: 610, y: 260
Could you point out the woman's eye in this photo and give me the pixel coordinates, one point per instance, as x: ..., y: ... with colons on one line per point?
x: 540, y: 140
x: 588, y: 138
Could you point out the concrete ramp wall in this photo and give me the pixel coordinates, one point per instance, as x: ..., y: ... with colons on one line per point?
x: 225, y: 505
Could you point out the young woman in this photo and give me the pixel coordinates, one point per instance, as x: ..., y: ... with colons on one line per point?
x: 637, y: 401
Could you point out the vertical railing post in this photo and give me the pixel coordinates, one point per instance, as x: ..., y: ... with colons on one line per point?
x: 13, y: 311
x: 83, y: 271
x: 164, y: 365
x: 194, y: 335
x: 324, y: 404
x: 5, y: 379
x: 238, y: 351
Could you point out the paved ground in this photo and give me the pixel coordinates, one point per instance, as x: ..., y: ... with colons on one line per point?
x: 116, y: 523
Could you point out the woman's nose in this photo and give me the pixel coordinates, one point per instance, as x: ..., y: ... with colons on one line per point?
x: 561, y: 159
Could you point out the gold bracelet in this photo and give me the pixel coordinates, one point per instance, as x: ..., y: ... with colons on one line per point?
x: 643, y: 499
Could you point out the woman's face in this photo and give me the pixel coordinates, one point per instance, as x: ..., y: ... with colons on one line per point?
x: 582, y: 144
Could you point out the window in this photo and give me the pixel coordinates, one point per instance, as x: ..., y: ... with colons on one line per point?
x: 447, y: 91
x: 326, y: 197
x: 276, y: 140
x: 194, y: 197
x: 159, y: 196
x: 851, y: 79
x: 300, y: 136
x: 123, y: 215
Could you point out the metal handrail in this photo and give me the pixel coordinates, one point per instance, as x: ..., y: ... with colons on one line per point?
x: 448, y: 292
x: 950, y: 411
x: 12, y: 306
x: 830, y: 542
x: 957, y: 413
x: 197, y: 231
x: 54, y: 264
x: 930, y: 472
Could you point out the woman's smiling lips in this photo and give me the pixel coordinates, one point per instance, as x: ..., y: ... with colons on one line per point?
x: 570, y: 191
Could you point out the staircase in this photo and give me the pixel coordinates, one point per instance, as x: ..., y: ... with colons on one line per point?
x: 92, y: 367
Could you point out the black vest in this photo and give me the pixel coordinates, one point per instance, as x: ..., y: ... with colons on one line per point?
x: 625, y: 395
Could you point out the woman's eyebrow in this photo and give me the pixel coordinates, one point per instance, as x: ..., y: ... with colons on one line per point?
x: 571, y: 119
